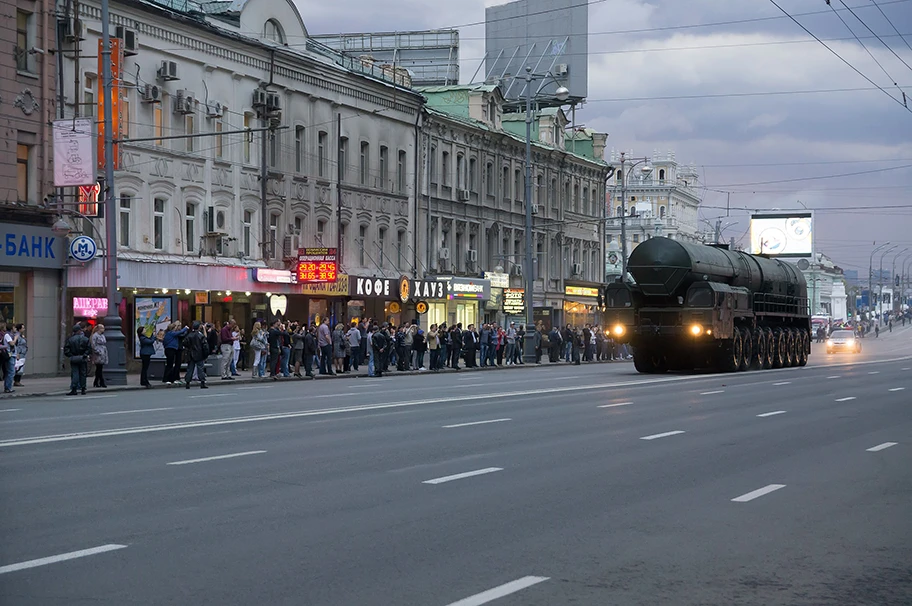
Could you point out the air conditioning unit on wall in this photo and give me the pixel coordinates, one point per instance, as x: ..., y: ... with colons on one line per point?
x: 167, y: 71
x: 129, y: 41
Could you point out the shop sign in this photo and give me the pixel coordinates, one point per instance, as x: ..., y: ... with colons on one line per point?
x: 467, y: 288
x: 581, y: 291
x: 421, y: 307
x: 83, y: 248
x: 339, y: 288
x: 87, y: 198
x: 514, y: 301
x: 30, y: 246
x: 273, y: 276
x: 201, y: 298
x: 404, y: 288
x: 317, y: 265
x: 89, y: 307
x: 498, y: 280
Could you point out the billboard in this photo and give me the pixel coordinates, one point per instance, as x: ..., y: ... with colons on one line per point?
x: 782, y: 235
x: 153, y: 314
x: 74, y: 161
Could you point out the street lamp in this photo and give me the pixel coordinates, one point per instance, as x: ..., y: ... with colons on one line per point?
x: 646, y: 169
x: 562, y: 94
x: 871, y: 275
x: 893, y: 273
x: 880, y: 276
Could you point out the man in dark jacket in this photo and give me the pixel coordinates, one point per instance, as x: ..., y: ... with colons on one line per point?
x: 76, y: 349
x: 469, y: 343
x: 380, y: 343
x: 197, y: 346
x: 310, y: 350
x: 556, y: 341
x: 456, y: 345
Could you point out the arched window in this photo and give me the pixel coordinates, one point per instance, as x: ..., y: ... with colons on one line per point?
x: 661, y: 212
x: 585, y: 200
x: 576, y: 197
x: 661, y: 174
x: 519, y: 187
x: 272, y: 30
x: 620, y: 211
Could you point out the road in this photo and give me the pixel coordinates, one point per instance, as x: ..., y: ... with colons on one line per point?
x: 533, y: 486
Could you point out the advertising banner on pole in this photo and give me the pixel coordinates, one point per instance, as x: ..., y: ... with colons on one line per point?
x: 74, y: 159
x: 116, y: 64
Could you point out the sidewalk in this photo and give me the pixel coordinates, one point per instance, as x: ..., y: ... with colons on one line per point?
x: 58, y: 386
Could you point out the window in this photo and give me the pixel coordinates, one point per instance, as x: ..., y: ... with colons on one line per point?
x: 489, y: 179
x: 554, y: 259
x: 445, y: 168
x: 273, y: 31
x: 400, y: 249
x: 158, y: 223
x: 384, y: 166
x: 298, y: 230
x: 343, y: 157
x: 248, y: 123
x: 661, y: 212
x: 576, y: 197
x: 25, y: 40
x: 400, y: 172
x: 219, y: 148
x: 299, y: 149
x: 585, y: 200
x: 433, y: 161
x: 321, y: 154
x: 460, y: 254
x: 381, y: 244
x: 158, y: 122
x: 365, y: 163
x: 460, y: 172
x: 362, y: 237
x: 190, y: 225
x: 519, y: 186
x: 343, y: 232
x: 273, y: 234
x: 620, y: 211
x: 566, y: 196
x: 321, y: 228
x: 661, y: 174
x: 88, y: 96
x: 552, y: 193
x: 506, y: 182
x: 189, y: 129
x: 247, y: 225
x: 124, y: 223
x: 23, y: 172
x: 636, y: 238
x: 539, y: 189
x: 473, y: 175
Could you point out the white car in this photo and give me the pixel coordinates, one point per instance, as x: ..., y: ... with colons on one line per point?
x: 843, y: 340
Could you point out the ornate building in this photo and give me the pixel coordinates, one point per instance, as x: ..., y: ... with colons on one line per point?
x: 472, y: 208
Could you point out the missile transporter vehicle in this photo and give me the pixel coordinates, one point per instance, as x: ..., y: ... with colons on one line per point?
x: 696, y: 306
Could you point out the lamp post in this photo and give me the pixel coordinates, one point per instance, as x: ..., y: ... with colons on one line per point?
x: 624, y: 174
x: 893, y: 274
x: 880, y: 276
x: 116, y: 371
x: 871, y: 275
x: 561, y: 94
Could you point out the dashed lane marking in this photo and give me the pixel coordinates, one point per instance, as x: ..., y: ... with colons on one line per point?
x: 129, y: 412
x: 772, y: 414
x: 10, y: 409
x: 782, y: 383
x: 897, y: 389
x: 662, y: 435
x: 460, y: 476
x: 219, y: 457
x: 883, y: 446
x: 758, y: 493
x: 845, y: 399
x: 615, y: 405
x: 834, y: 377
x: 63, y: 557
x: 499, y: 592
x: 710, y: 393
x: 476, y: 423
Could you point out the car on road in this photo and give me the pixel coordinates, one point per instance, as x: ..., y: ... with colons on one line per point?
x: 843, y: 340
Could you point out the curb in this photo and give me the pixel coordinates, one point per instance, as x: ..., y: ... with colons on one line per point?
x: 248, y: 380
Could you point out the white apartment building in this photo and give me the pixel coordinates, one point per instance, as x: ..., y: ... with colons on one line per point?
x: 340, y: 161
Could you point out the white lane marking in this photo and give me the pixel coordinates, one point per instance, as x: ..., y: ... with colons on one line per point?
x: 258, y: 387
x: 772, y: 414
x: 218, y: 458
x: 90, y: 397
x: 615, y: 405
x: 10, y: 409
x: 874, y: 372
x: 63, y: 557
x: 782, y: 383
x: 662, y: 435
x: 757, y: 493
x: 845, y: 399
x: 897, y: 389
x: 709, y: 393
x: 47, y: 439
x: 467, y: 474
x: 834, y: 377
x: 905, y: 368
x: 211, y: 395
x: 476, y: 423
x: 883, y: 446
x: 129, y: 412
x: 498, y: 592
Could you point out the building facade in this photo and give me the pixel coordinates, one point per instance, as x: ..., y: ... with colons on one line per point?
x: 220, y: 103
x: 31, y: 255
x: 663, y: 201
x: 471, y: 226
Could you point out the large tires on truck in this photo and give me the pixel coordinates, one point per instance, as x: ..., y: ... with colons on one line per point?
x: 758, y: 361
x: 731, y: 353
x: 770, y: 339
x: 747, y: 349
x: 780, y: 353
x: 791, y: 354
x: 805, y: 347
x: 649, y: 361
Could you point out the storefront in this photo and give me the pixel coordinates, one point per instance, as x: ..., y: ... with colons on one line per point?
x: 581, y: 305
x: 465, y: 300
x: 31, y: 259
x: 494, y: 306
x: 330, y: 299
x: 395, y: 300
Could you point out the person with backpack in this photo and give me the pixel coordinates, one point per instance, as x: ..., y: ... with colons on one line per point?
x: 197, y: 345
x: 77, y: 349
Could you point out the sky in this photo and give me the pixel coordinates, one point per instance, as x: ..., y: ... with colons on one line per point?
x: 845, y: 154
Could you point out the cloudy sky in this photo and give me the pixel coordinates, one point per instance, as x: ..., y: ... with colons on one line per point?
x: 768, y: 150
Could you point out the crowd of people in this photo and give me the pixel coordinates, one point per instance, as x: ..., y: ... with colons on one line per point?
x: 13, y: 352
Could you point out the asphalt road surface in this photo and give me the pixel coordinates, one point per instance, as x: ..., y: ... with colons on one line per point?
x: 533, y: 486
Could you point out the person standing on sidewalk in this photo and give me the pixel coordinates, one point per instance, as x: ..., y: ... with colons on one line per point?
x: 443, y: 337
x: 325, y: 343
x: 354, y: 339
x: 310, y: 350
x: 258, y: 345
x: 7, y: 358
x: 146, y: 351
x: 456, y: 345
x: 511, y: 343
x: 419, y: 346
x: 380, y: 343
x: 433, y: 345
x: 171, y: 342
x: 227, y: 349
x: 99, y: 354
x: 21, y: 351
x: 76, y: 349
x: 235, y: 350
x: 197, y: 352
x: 469, y: 343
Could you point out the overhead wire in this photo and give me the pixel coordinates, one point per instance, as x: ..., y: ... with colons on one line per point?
x: 874, y: 2
x: 860, y: 20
